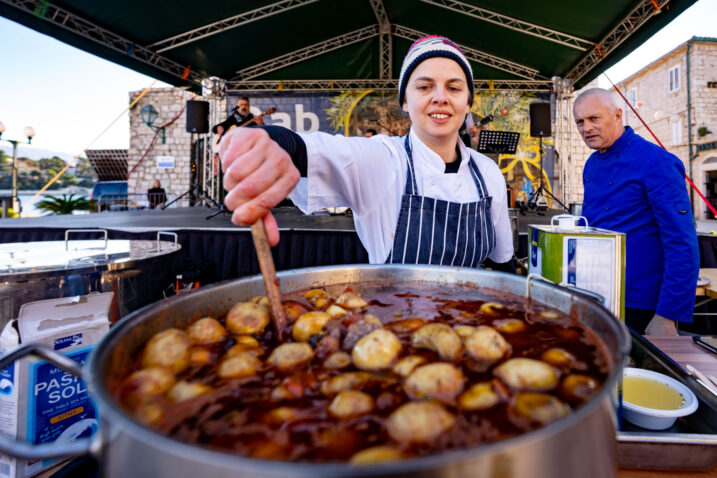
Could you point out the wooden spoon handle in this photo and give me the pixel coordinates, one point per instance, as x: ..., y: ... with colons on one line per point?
x: 271, y: 282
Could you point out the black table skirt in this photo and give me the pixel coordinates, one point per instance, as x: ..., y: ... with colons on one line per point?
x: 230, y: 254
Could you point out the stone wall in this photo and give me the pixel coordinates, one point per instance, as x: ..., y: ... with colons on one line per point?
x: 168, y: 162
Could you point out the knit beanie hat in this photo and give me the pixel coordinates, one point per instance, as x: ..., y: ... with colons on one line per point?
x: 431, y: 47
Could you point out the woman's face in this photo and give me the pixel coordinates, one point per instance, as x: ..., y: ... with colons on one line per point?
x: 437, y: 98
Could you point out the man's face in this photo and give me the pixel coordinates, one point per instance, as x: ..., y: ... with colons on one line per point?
x: 243, y: 107
x: 437, y: 98
x: 598, y: 126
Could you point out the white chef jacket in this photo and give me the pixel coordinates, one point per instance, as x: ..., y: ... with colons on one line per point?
x: 368, y: 175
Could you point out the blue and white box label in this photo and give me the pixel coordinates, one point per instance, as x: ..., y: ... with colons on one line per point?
x: 59, y: 406
x: 74, y: 340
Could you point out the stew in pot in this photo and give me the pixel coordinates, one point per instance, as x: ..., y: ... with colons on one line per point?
x: 371, y: 373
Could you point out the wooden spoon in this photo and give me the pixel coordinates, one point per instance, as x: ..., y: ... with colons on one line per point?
x: 271, y: 282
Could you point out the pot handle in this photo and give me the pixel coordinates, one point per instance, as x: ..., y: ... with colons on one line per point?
x: 69, y: 231
x: 159, y: 243
x: 30, y: 451
x: 535, y: 276
x: 578, y: 290
x: 594, y: 296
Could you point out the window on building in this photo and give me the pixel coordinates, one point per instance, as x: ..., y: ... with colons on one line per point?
x: 674, y: 75
x: 675, y: 131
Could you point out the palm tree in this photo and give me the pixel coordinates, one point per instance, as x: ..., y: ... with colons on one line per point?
x: 64, y: 205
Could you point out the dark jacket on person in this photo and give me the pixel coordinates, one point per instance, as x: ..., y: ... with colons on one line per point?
x: 156, y: 197
x: 234, y: 119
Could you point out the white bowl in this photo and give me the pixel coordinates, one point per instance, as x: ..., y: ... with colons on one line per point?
x: 652, y: 418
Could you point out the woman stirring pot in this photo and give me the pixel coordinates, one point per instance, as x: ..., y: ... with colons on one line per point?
x: 419, y: 199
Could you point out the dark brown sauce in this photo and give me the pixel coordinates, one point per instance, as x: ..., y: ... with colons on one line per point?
x: 236, y: 416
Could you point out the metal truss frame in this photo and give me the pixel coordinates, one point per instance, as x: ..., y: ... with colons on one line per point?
x: 634, y: 20
x: 79, y: 26
x: 530, y: 78
x: 227, y: 24
x: 386, y: 40
x: 377, y: 84
x: 306, y: 53
x: 478, y: 56
x: 513, y: 24
x: 211, y: 174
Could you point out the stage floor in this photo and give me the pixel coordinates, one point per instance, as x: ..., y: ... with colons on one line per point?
x: 223, y: 250
x: 173, y: 219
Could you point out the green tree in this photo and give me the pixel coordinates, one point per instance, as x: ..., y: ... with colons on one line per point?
x: 54, y: 163
x: 63, y: 205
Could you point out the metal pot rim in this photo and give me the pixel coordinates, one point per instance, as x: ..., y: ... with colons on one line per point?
x: 110, y: 408
x: 111, y: 261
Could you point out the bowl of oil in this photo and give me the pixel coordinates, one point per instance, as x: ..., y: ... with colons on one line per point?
x: 654, y: 401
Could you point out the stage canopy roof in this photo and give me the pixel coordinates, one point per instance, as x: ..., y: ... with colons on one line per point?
x: 346, y: 44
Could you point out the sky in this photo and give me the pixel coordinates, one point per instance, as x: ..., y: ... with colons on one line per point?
x: 69, y: 96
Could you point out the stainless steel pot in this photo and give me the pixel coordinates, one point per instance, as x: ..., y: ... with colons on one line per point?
x: 581, y: 444
x: 137, y: 271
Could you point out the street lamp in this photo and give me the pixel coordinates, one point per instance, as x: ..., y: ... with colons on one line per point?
x: 30, y: 133
x: 149, y: 115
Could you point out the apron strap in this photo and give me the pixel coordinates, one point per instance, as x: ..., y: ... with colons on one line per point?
x: 477, y: 178
x: 411, y: 176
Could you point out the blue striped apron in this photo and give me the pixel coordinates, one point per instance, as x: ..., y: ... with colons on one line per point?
x: 434, y: 231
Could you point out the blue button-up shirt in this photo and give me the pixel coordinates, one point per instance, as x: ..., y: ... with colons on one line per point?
x: 638, y: 188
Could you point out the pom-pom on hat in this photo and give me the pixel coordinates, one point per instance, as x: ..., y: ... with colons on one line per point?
x: 432, y: 47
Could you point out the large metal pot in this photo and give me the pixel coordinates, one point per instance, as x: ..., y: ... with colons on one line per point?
x: 581, y: 444
x: 137, y: 271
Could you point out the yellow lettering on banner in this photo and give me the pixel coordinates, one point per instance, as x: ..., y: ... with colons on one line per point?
x: 67, y: 414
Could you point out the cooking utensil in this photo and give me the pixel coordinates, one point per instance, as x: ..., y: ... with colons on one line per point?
x: 589, y: 432
x: 702, y: 379
x: 268, y: 272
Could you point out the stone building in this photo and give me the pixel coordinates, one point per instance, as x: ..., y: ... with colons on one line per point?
x: 676, y: 95
x: 169, y: 161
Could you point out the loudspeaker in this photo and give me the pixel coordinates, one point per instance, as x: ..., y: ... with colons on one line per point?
x: 540, y: 119
x: 197, y: 116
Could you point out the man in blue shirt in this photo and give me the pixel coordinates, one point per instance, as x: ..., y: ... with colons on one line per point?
x: 636, y: 187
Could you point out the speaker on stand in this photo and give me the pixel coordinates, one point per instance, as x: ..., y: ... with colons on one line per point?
x: 198, y: 117
x: 540, y: 127
x: 197, y: 123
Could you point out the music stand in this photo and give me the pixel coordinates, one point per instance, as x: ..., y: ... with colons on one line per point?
x: 533, y: 200
x: 497, y: 142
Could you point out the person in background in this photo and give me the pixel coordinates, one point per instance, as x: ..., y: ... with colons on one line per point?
x: 424, y: 198
x: 156, y: 195
x: 634, y: 186
x: 470, y: 131
x: 370, y: 132
x: 240, y: 116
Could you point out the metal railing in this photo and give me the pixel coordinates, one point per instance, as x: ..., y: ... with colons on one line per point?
x: 137, y: 201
